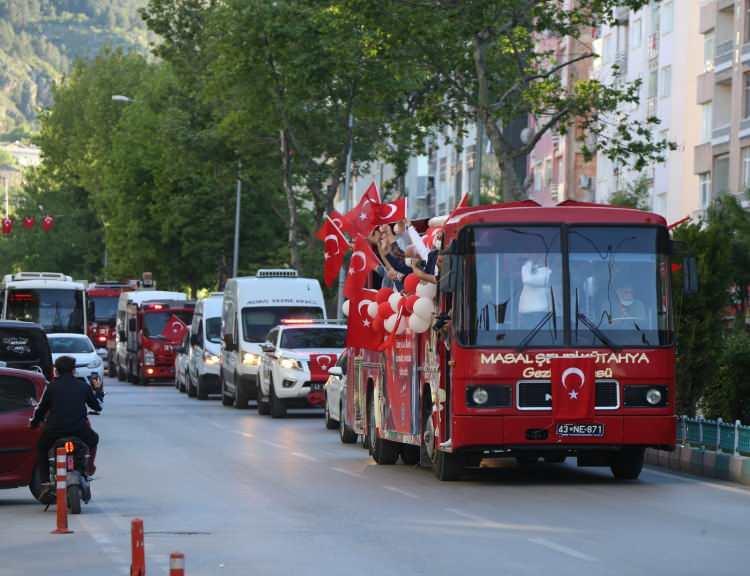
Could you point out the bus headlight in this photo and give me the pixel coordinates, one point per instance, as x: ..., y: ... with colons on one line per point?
x: 653, y: 396
x: 250, y: 359
x: 480, y: 396
x: 290, y: 364
x: 148, y: 358
x: 210, y: 359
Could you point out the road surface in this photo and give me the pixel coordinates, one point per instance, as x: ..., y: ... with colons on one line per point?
x: 242, y: 494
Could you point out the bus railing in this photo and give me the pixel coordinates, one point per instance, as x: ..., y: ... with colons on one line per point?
x: 715, y: 435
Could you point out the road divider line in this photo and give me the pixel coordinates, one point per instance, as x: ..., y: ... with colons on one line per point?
x: 247, y: 435
x: 305, y: 457
x: 347, y: 472
x: 573, y: 553
x: 274, y: 444
x: 402, y: 492
x: 715, y: 485
x: 480, y: 522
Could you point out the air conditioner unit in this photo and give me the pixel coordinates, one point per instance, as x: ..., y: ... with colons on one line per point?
x: 584, y: 182
x: 276, y: 273
x: 621, y: 15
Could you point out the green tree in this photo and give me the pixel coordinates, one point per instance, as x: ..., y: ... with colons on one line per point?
x: 635, y: 195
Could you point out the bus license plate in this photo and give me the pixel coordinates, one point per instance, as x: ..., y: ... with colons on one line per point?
x: 594, y: 430
x: 316, y: 386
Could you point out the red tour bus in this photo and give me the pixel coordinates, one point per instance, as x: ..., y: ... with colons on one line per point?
x: 553, y: 339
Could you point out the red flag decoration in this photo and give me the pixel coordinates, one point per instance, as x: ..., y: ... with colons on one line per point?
x: 361, y: 219
x: 7, y: 225
x: 319, y: 365
x: 337, y: 218
x: 28, y: 222
x: 392, y: 211
x: 174, y: 329
x: 362, y: 262
x: 48, y: 223
x: 361, y: 333
x: 335, y: 246
x: 573, y: 389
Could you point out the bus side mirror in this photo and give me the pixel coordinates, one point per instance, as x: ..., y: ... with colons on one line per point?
x: 132, y: 326
x: 449, y: 271
x: 121, y: 336
x: 690, y: 275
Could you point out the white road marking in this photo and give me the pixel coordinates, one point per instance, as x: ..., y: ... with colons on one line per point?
x: 274, y: 444
x: 480, y: 522
x: 715, y: 485
x: 402, y: 492
x: 347, y: 472
x: 305, y: 457
x: 563, y: 549
x: 246, y: 434
x: 217, y: 425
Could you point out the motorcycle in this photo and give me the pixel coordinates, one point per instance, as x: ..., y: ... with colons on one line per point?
x: 76, y: 465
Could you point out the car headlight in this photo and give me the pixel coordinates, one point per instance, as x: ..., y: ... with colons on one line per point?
x: 250, y: 359
x: 480, y: 396
x: 653, y: 396
x: 95, y: 363
x: 290, y: 364
x: 148, y: 358
x: 210, y: 359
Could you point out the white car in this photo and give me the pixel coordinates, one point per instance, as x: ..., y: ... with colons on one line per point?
x: 79, y: 347
x: 181, y: 359
x: 335, y: 393
x: 295, y: 363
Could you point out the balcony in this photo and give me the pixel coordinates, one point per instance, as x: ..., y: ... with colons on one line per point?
x: 722, y: 5
x: 723, y: 56
x: 721, y: 135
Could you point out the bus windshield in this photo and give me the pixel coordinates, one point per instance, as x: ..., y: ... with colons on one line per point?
x: 155, y: 323
x: 513, y: 287
x: 103, y: 309
x: 57, y: 310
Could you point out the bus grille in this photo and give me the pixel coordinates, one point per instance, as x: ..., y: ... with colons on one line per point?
x: 535, y: 395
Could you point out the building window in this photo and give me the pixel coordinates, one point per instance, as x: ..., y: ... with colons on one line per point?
x: 704, y: 185
x: 607, y: 50
x: 667, y: 17
x: 747, y: 21
x: 655, y: 18
x: 653, y: 83
x: 443, y: 169
x: 708, y: 52
x: 636, y: 33
x: 746, y: 96
x: 547, y: 172
x: 707, y: 121
x: 666, y: 82
x: 720, y: 180
x: 745, y: 169
x: 538, y: 179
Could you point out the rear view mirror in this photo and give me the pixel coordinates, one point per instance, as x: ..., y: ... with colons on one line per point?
x: 121, y: 336
x: 228, y: 342
x: 132, y: 326
x: 448, y: 270
x: 690, y: 275
x: 194, y: 340
x: 336, y: 371
x: 267, y: 347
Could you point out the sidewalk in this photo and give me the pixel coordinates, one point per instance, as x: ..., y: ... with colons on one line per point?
x: 701, y: 462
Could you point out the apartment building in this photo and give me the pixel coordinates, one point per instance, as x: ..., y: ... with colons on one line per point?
x: 722, y: 155
x: 660, y: 45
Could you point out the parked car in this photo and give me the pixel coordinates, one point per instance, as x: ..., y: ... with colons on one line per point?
x: 205, y: 347
x: 24, y: 345
x: 335, y: 393
x: 296, y: 358
x: 79, y: 347
x: 20, y: 391
x: 182, y: 352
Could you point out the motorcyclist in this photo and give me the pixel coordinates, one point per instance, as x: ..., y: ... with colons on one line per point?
x: 64, y: 404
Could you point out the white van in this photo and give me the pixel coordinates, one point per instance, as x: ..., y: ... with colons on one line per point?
x: 252, y: 306
x: 205, y: 347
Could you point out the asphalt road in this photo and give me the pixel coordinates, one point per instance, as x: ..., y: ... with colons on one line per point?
x: 242, y: 494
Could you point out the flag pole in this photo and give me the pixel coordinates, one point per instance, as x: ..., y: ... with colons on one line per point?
x: 347, y: 208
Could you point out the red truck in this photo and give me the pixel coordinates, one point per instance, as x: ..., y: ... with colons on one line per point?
x: 553, y: 339
x: 150, y: 325
x: 102, y: 299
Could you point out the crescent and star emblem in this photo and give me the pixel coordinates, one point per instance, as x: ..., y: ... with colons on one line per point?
x: 365, y: 319
x: 392, y: 210
x: 355, y: 255
x: 336, y: 240
x: 324, y: 361
x: 573, y: 394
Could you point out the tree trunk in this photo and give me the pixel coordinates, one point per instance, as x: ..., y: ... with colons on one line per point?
x: 291, y: 200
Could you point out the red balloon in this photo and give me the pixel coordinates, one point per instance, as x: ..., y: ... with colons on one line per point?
x: 383, y: 295
x: 410, y: 283
x: 408, y: 303
x: 384, y: 310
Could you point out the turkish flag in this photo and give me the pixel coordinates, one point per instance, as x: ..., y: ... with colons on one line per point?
x: 7, y: 225
x: 392, y: 211
x: 361, y: 219
x: 362, y: 262
x: 28, y: 222
x: 361, y: 333
x: 335, y: 246
x: 573, y: 389
x: 319, y: 365
x: 174, y: 329
x: 48, y: 222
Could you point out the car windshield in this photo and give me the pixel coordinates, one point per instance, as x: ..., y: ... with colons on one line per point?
x: 55, y: 310
x: 619, y: 286
x: 70, y: 345
x: 513, y: 279
x: 213, y: 330
x: 258, y: 321
x: 313, y: 338
x: 155, y: 323
x: 103, y: 308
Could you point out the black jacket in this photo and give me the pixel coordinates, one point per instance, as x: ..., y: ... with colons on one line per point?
x: 64, y: 404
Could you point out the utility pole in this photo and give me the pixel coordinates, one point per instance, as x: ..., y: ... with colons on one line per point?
x: 347, y: 207
x: 236, y: 260
x: 477, y: 196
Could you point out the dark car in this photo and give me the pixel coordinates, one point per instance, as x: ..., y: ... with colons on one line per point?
x: 20, y: 391
x: 24, y: 345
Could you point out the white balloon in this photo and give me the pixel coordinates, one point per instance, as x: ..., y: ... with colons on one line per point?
x: 426, y: 290
x: 403, y: 324
x: 393, y: 300
x: 418, y: 324
x: 390, y: 323
x: 424, y: 308
x: 345, y: 307
x: 372, y: 309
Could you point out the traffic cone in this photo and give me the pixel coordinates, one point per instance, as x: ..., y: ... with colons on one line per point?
x: 176, y: 564
x: 138, y: 552
x: 61, y: 484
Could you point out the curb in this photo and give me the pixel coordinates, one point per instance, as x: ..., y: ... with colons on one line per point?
x: 702, y: 463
